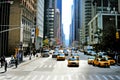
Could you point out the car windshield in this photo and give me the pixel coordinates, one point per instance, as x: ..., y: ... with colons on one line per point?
x: 110, y: 58
x: 103, y: 59
x: 46, y: 51
x: 61, y: 54
x: 72, y: 59
x: 91, y: 57
x: 75, y: 54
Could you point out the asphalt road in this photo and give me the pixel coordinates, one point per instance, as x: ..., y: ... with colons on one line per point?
x: 50, y: 69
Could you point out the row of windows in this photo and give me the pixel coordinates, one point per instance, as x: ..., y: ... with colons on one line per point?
x: 28, y: 14
x: 29, y: 4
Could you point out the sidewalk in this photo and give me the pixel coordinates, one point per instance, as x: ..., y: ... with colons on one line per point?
x: 25, y: 59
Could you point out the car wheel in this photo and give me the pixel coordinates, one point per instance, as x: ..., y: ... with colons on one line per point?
x: 99, y: 65
x: 93, y: 64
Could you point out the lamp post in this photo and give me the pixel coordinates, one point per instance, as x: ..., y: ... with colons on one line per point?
x: 98, y: 37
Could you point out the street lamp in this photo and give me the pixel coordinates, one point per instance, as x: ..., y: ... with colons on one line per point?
x: 11, y: 2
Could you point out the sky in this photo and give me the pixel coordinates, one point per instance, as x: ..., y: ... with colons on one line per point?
x: 66, y: 16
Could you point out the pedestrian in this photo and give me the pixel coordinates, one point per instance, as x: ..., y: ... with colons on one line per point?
x: 5, y: 64
x: 16, y: 62
x: 2, y: 60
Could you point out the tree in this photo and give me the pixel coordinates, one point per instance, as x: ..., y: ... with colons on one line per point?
x: 46, y: 42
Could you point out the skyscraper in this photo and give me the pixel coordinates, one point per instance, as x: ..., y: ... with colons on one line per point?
x: 49, y: 12
x: 76, y: 17
x: 39, y: 22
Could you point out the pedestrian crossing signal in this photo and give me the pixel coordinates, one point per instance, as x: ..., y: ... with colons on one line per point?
x: 117, y: 35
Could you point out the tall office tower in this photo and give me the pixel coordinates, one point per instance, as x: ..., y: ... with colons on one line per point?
x: 119, y: 6
x: 76, y: 19
x: 22, y: 21
x: 88, y: 17
x: 59, y: 6
x: 71, y: 35
x: 4, y: 25
x: 39, y: 23
x: 57, y: 25
x: 49, y: 12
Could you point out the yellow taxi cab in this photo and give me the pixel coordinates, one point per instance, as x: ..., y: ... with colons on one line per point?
x: 73, y: 61
x: 91, y: 59
x: 101, y: 62
x: 75, y: 55
x: 61, y: 56
x: 111, y: 60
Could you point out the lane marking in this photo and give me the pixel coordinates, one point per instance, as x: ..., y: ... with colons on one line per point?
x: 105, y: 77
x: 55, y: 78
x: 91, y: 78
x: 2, y: 77
x: 110, y: 76
x: 48, y: 77
x: 69, y: 77
x: 62, y: 78
x: 21, y: 78
x: 34, y: 78
x: 41, y: 78
x: 117, y: 77
x: 14, y: 78
x: 83, y: 76
x: 97, y: 77
x: 27, y: 78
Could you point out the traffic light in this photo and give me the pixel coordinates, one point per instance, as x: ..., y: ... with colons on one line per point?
x: 37, y: 31
x: 117, y: 35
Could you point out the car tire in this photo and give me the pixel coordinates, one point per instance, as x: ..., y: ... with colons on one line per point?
x: 93, y: 64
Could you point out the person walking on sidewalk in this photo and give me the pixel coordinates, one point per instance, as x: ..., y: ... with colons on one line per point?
x: 16, y: 62
x: 5, y: 64
x: 2, y: 60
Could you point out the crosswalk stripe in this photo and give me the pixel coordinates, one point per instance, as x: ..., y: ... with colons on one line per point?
x: 2, y: 77
x: 45, y: 66
x: 77, y: 77
x: 27, y: 78
x: 69, y: 77
x: 97, y: 77
x: 21, y: 78
x: 48, y: 77
x: 110, y: 77
x: 83, y: 76
x: 40, y: 66
x: 41, y: 78
x: 14, y: 78
x: 55, y: 78
x: 50, y: 66
x: 105, y: 77
x: 117, y: 77
x: 91, y: 78
x: 34, y: 78
x: 62, y: 78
